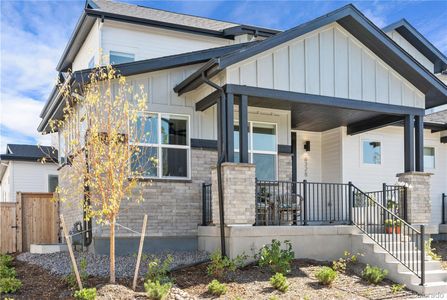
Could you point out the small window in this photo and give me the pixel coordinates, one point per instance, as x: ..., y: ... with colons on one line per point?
x: 372, y: 152
x: 91, y: 63
x: 53, y: 182
x: 121, y: 57
x: 429, y: 157
x: 62, y: 150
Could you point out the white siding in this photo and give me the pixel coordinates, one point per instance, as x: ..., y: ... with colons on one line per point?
x: 404, y: 44
x: 149, y: 42
x: 309, y: 163
x: 5, y: 185
x: 332, y: 155
x: 90, y: 48
x: 328, y: 61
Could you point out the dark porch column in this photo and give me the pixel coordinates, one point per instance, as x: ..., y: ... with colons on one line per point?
x: 221, y: 126
x: 419, y: 126
x: 230, y: 128
x: 409, y: 143
x: 243, y: 129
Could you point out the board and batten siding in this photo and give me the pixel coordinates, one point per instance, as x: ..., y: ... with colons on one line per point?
x: 404, y: 44
x: 330, y: 62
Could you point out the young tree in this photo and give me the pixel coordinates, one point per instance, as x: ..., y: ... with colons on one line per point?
x: 101, y: 119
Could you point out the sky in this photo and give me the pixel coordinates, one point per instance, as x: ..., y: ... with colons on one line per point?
x: 35, y: 33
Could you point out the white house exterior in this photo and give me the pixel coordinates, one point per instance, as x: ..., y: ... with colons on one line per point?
x: 331, y: 101
x: 22, y: 170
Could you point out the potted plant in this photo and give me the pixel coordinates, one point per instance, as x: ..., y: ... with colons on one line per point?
x: 389, y: 224
x: 397, y: 225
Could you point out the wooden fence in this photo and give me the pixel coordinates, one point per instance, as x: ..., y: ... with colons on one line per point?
x: 33, y: 219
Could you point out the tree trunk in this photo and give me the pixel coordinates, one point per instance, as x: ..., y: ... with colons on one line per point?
x: 112, y: 251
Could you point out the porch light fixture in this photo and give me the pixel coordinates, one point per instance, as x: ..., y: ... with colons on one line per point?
x: 307, y: 146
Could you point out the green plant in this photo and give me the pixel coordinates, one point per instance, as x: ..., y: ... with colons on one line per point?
x: 9, y: 285
x: 390, y: 204
x: 85, y: 294
x: 341, y: 264
x: 158, y: 270
x: 397, y: 288
x: 216, y: 288
x: 326, y: 275
x: 219, y: 264
x: 274, y: 297
x: 374, y: 275
x: 5, y: 260
x: 389, y: 223
x: 397, y: 223
x: 279, y: 282
x: 431, y: 251
x: 156, y: 290
x: 71, y: 278
x: 7, y: 272
x: 275, y: 257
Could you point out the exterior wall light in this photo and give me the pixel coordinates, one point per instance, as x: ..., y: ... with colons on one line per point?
x: 307, y: 146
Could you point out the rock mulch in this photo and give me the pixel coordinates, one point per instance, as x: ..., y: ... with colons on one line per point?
x: 98, y: 265
x: 119, y: 292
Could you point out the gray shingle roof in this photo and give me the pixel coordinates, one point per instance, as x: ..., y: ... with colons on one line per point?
x: 28, y: 152
x: 161, y: 15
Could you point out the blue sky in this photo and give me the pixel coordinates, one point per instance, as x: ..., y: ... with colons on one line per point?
x: 34, y: 34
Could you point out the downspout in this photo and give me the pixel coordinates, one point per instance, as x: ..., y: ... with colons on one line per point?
x: 219, y: 173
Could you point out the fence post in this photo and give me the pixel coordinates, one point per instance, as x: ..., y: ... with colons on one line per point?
x: 305, y: 202
x: 350, y: 202
x: 422, y: 254
x: 203, y: 204
x: 443, y: 207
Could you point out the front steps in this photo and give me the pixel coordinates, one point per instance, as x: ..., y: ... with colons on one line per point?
x: 435, y: 276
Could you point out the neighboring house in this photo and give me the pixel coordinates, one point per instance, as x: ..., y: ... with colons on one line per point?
x: 294, y: 116
x: 22, y: 170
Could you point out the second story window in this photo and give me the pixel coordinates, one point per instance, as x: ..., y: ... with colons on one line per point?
x: 91, y: 63
x: 372, y: 152
x: 429, y: 157
x: 120, y: 57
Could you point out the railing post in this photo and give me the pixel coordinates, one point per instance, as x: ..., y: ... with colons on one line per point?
x: 203, y: 204
x: 384, y: 195
x: 422, y: 254
x: 305, y: 202
x: 443, y: 207
x: 405, y: 204
x: 351, y: 204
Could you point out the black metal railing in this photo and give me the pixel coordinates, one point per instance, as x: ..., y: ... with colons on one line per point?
x: 444, y: 199
x: 207, y: 215
x: 393, y: 197
x: 401, y: 240
x: 301, y: 203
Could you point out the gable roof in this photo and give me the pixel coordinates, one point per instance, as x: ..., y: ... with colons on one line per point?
x: 415, y: 38
x: 360, y: 27
x: 136, y: 14
x: 28, y: 152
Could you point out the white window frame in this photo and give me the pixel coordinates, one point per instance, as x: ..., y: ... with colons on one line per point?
x: 119, y: 53
x: 362, y: 141
x: 434, y: 158
x: 251, y: 151
x: 160, y: 146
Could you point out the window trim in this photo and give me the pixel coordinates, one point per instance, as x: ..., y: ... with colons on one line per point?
x: 160, y: 146
x: 362, y: 141
x: 434, y: 157
x: 124, y: 54
x: 250, y: 144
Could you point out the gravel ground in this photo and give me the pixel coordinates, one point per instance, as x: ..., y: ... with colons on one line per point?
x: 98, y: 265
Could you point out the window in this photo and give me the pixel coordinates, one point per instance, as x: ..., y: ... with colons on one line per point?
x: 164, y: 143
x: 91, y: 63
x: 120, y: 57
x: 372, y: 152
x: 53, y: 182
x: 62, y: 150
x: 262, y: 148
x: 429, y: 157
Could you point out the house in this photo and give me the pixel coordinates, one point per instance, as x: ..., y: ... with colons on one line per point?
x: 22, y: 170
x: 321, y: 125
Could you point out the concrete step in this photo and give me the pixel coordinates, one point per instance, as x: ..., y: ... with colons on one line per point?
x: 434, y: 288
x: 430, y: 276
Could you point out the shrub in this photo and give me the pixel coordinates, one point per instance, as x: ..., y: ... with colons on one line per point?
x: 397, y: 288
x: 431, y: 251
x: 156, y: 290
x: 275, y: 257
x: 85, y: 294
x: 158, y: 270
x: 326, y: 276
x: 374, y: 275
x: 219, y: 264
x: 71, y: 278
x: 7, y: 272
x: 216, y: 288
x: 274, y: 297
x: 9, y: 285
x: 279, y: 282
x: 5, y: 260
x: 341, y: 264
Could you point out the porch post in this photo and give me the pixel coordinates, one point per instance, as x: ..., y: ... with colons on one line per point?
x: 230, y: 128
x: 419, y: 125
x: 243, y: 129
x: 409, y: 143
x: 221, y: 127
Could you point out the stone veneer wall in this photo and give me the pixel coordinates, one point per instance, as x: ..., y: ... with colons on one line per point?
x: 284, y: 167
x: 418, y: 196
